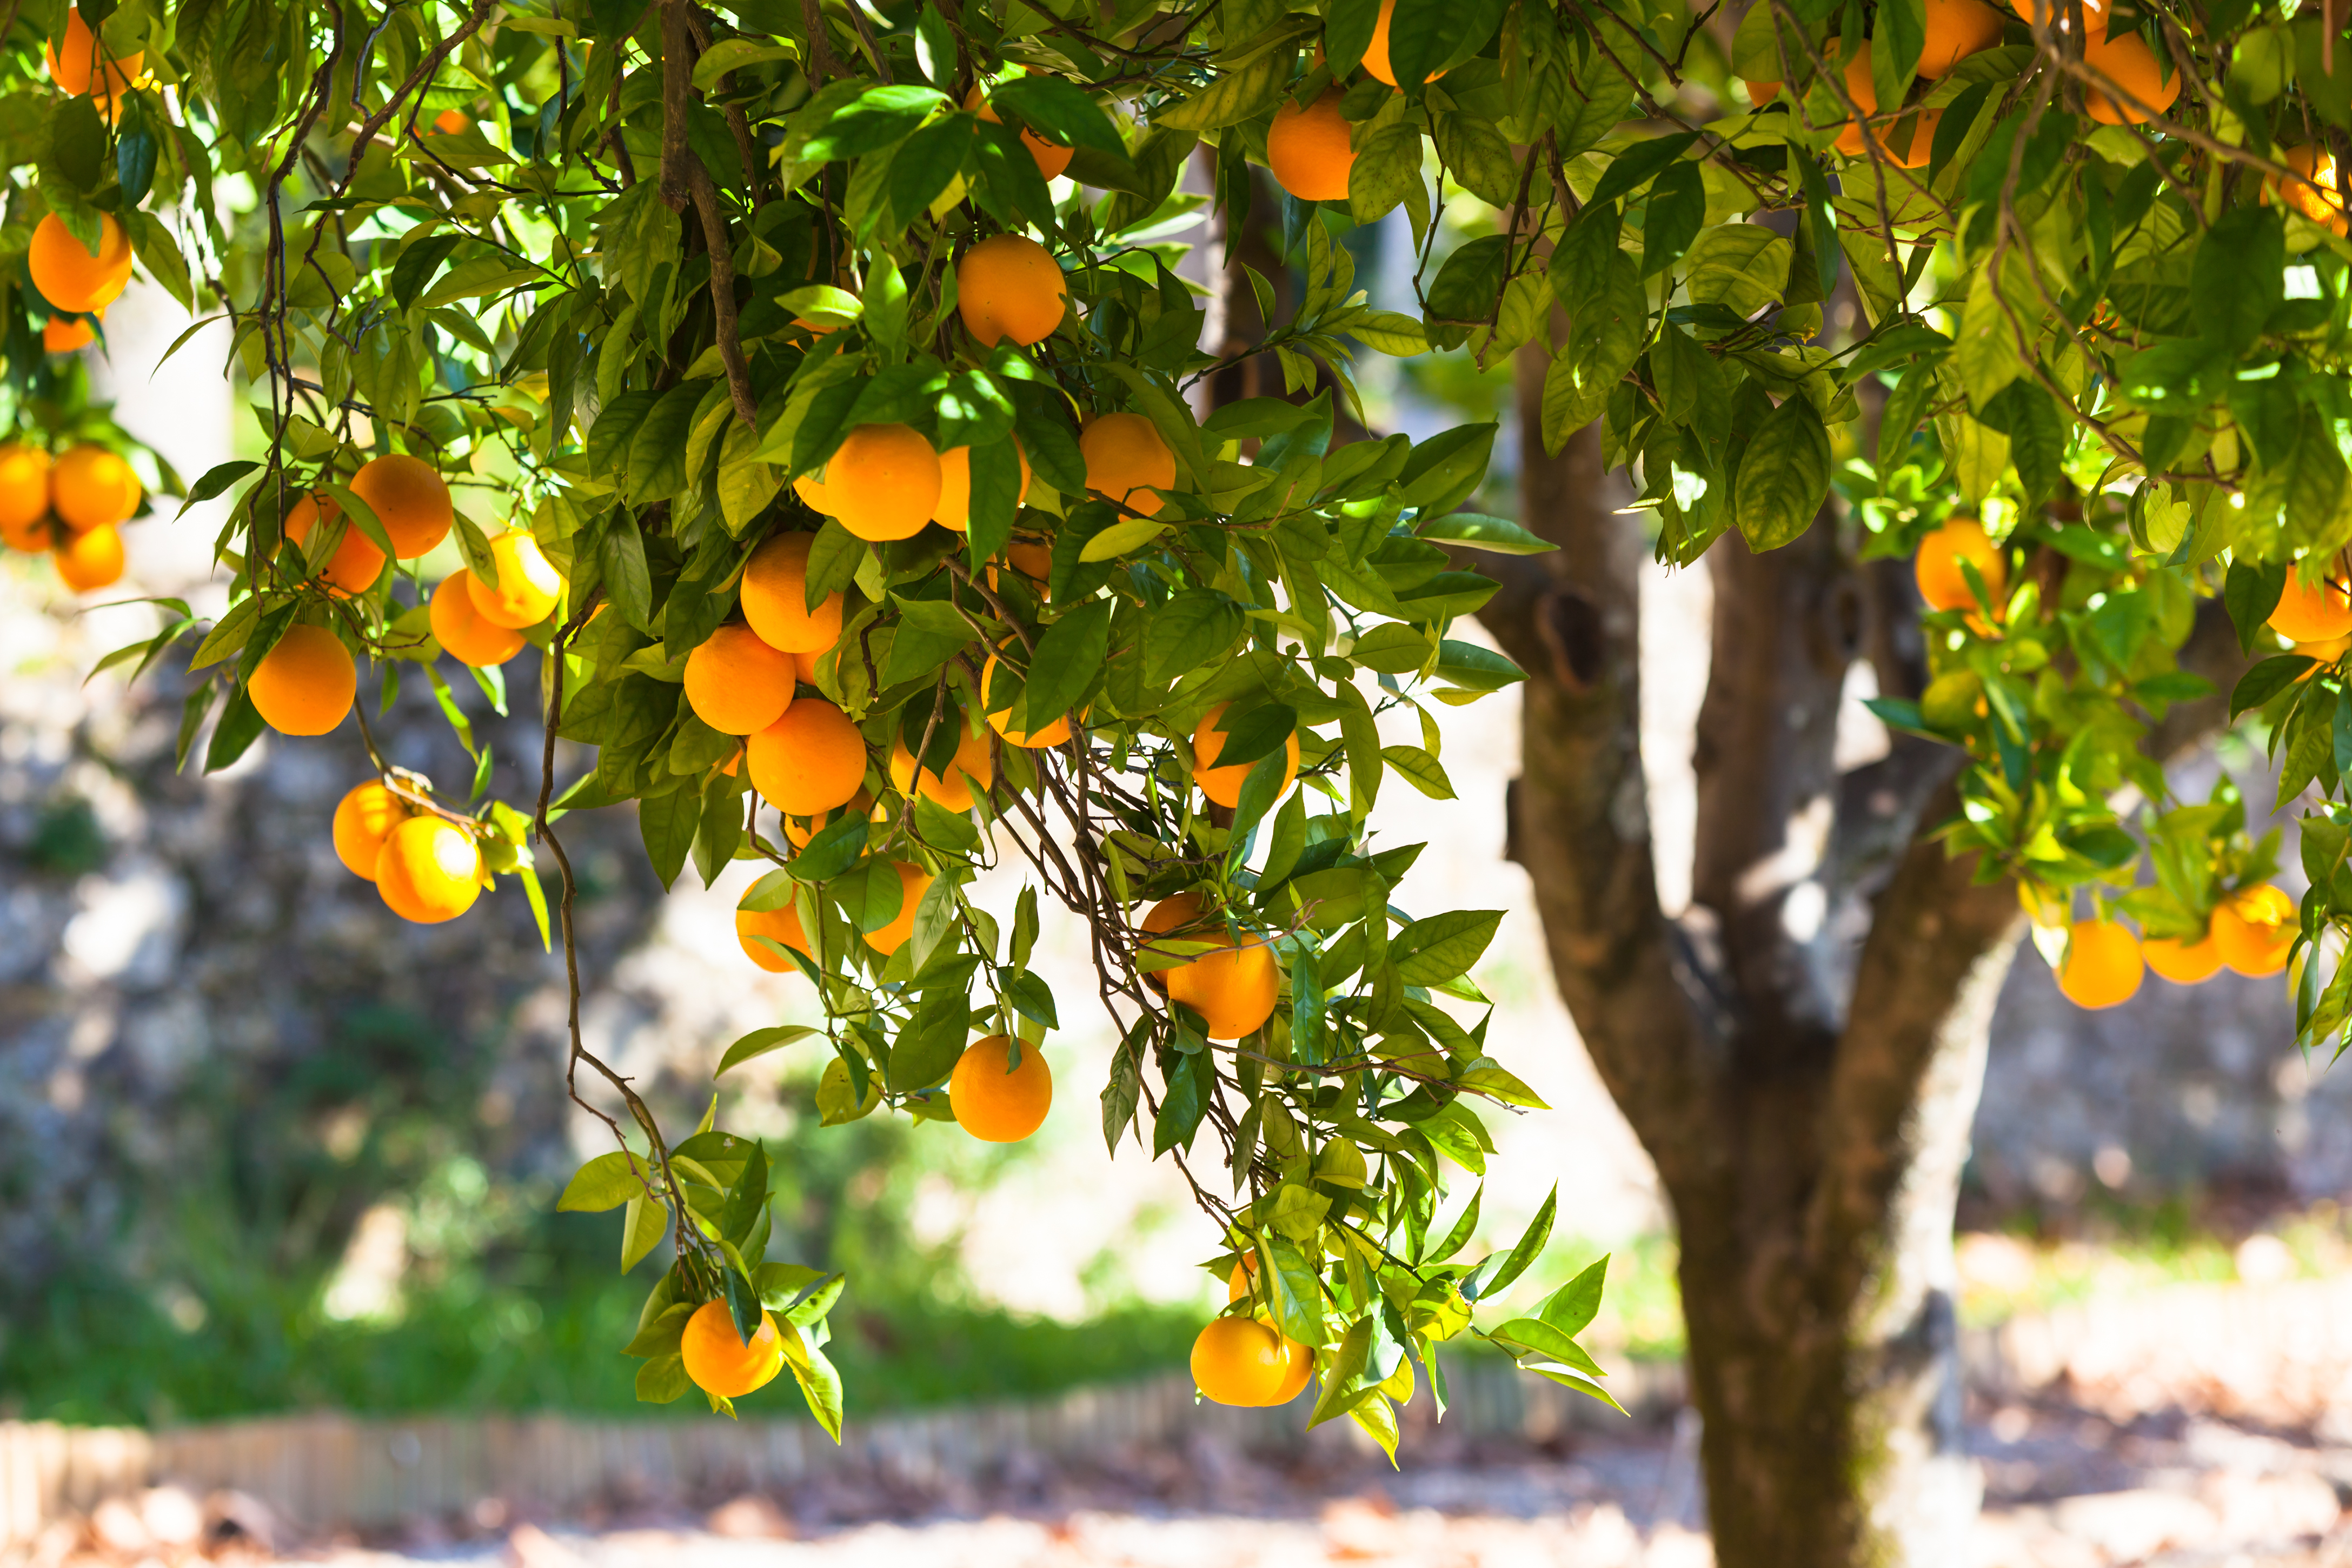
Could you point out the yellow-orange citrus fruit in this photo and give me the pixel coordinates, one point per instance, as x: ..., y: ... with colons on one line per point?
x: 912, y: 880
x: 2095, y: 16
x: 2130, y: 64
x: 1862, y: 90
x: 1921, y: 147
x: 1298, y: 1366
x: 430, y: 870
x: 409, y: 498
x: 1237, y: 1283
x: 39, y: 533
x: 1938, y: 568
x: 2182, y: 961
x: 1029, y: 559
x: 2314, y: 195
x: 2326, y: 653
x: 61, y: 335
x: 718, y: 1359
x: 798, y: 830
x: 1000, y: 719
x: 2101, y: 966
x: 777, y: 925
x: 24, y: 492
x: 1956, y: 29
x: 462, y: 632
x: 1223, y: 785
x: 69, y: 275
x: 1126, y: 462
x: 952, y: 789
x: 1761, y: 93
x: 90, y: 559
x: 1234, y: 986
x: 804, y: 662
x: 811, y: 489
x: 453, y: 122
x: 996, y: 1104
x: 1376, y: 53
x: 884, y: 482
x: 809, y: 761
x: 1051, y: 157
x: 91, y: 486
x: 364, y: 818
x: 305, y: 685
x: 954, y: 510
x: 1008, y: 287
x: 2312, y: 612
x: 775, y: 597
x: 2254, y: 931
x: 356, y: 563
x: 1307, y: 149
x: 1239, y: 1361
x: 527, y: 583
x: 77, y: 61
x: 736, y: 683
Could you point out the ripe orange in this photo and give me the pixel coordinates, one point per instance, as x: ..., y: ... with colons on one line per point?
x: 1376, y: 53
x: 356, y: 563
x: 1008, y: 286
x: 2314, y: 195
x: 1000, y: 719
x: 912, y: 880
x: 777, y: 925
x: 409, y: 498
x: 718, y: 1359
x: 78, y: 61
x: 63, y: 335
x: 2254, y: 931
x: 1938, y: 568
x: 736, y: 683
x: 2182, y: 961
x: 1862, y: 90
x: 1239, y: 1361
x: 1921, y: 147
x: 453, y: 122
x: 811, y: 489
x: 775, y: 597
x: 1307, y: 149
x: 1761, y: 93
x: 69, y: 275
x: 1237, y: 1283
x: 1126, y: 461
x: 1223, y: 785
x: 996, y: 1103
x: 809, y: 761
x: 1030, y: 558
x: 528, y: 584
x: 91, y: 486
x: 364, y: 818
x: 430, y: 870
x: 39, y: 533
x: 90, y: 559
x: 1234, y: 986
x: 1956, y: 29
x: 952, y: 789
x: 1051, y: 157
x: 2313, y: 612
x: 798, y: 830
x: 804, y: 663
x: 306, y: 684
x: 884, y: 482
x: 462, y: 632
x: 23, y: 493
x: 954, y: 510
x: 1298, y: 1361
x: 2103, y: 964
x: 2131, y: 65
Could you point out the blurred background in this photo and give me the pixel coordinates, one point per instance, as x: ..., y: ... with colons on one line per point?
x: 266, y: 1151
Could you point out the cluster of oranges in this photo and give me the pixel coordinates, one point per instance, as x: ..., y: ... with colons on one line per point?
x: 1246, y: 1361
x: 427, y: 866
x: 73, y: 507
x: 2249, y: 932
x: 1309, y: 147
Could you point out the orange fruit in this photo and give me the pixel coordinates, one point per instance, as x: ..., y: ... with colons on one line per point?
x: 1008, y: 286
x: 40, y: 532
x: 954, y: 510
x: 430, y: 870
x: 952, y: 788
x: 1000, y: 719
x: 24, y: 492
x: 462, y: 632
x: 1237, y: 1283
x: 996, y: 1103
x: 1234, y: 986
x: 798, y: 830
x: 809, y: 761
x: 1223, y: 785
x: 63, y: 335
x: 2312, y: 612
x: 2131, y: 65
x: 912, y: 880
x: 409, y: 498
x: 1938, y: 568
x: 69, y: 275
x: 91, y: 486
x: 2095, y: 16
x: 2327, y: 653
x: 775, y: 597
x: 1239, y: 1361
x: 1126, y: 461
x: 364, y: 818
x: 718, y: 1359
x: 1922, y: 144
x: 90, y: 559
x: 1376, y: 53
x: 1051, y: 157
x: 453, y: 122
x: 736, y: 683
x: 2254, y: 930
x: 1030, y: 559
x: 811, y: 489
x: 356, y: 563
x: 2183, y: 963
x: 527, y: 583
x: 2101, y: 966
x: 884, y: 482
x: 1956, y: 29
x: 1307, y: 149
x: 1859, y: 88
x: 1298, y: 1361
x: 1761, y: 93
x: 306, y: 684
x: 777, y: 925
x: 78, y: 59
x: 804, y: 663
x: 2314, y: 195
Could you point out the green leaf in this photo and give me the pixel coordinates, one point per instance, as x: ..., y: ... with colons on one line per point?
x: 1188, y: 632
x: 1574, y: 1306
x: 1784, y: 476
x: 606, y: 1182
x: 1479, y: 531
x: 1432, y: 950
x: 1422, y: 771
x: 1232, y: 96
x: 2266, y: 680
x: 641, y: 1228
x: 1490, y: 1279
x: 760, y: 1042
x: 1068, y: 660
